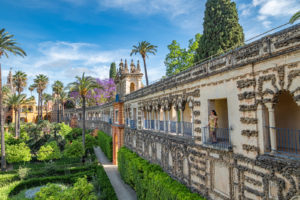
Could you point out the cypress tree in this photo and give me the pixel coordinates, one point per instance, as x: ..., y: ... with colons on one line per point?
x: 221, y: 29
x: 112, y: 70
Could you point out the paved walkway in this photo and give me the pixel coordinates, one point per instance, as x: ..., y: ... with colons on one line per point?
x: 123, y: 191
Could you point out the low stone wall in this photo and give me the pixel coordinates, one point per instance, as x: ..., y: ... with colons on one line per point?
x: 217, y: 174
x: 97, y: 124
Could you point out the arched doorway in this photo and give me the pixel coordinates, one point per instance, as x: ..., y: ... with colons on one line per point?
x: 132, y: 87
x: 287, y: 121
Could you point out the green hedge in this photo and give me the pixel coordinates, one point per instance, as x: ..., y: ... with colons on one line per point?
x: 106, y: 190
x: 33, y: 182
x: 149, y: 180
x: 105, y: 143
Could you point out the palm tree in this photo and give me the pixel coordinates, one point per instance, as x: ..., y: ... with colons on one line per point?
x: 15, y: 101
x: 63, y: 99
x: 47, y: 98
x: 7, y: 45
x: 83, y: 85
x: 20, y: 81
x: 295, y: 17
x: 143, y: 48
x: 31, y: 88
x: 57, y: 88
x: 40, y: 83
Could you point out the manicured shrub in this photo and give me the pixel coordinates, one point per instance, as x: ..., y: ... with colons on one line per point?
x: 64, y: 129
x: 106, y: 190
x: 82, y: 190
x: 90, y: 142
x: 105, y: 143
x: 149, y: 180
x: 18, y: 153
x: 49, y: 151
x: 74, y: 134
x: 74, y: 149
x: 23, y: 172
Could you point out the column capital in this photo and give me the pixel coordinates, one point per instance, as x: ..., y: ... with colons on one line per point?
x: 270, y: 106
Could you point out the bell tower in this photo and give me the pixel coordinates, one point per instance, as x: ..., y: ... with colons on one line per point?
x: 128, y: 79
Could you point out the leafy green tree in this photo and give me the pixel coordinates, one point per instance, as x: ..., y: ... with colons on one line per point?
x: 49, y: 151
x: 144, y: 48
x: 180, y: 59
x: 74, y: 149
x: 83, y: 190
x: 83, y: 85
x: 112, y: 70
x: 7, y: 45
x: 295, y: 17
x: 40, y: 84
x: 221, y: 29
x: 18, y: 153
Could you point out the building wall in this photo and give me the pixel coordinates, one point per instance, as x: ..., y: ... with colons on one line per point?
x: 251, y: 79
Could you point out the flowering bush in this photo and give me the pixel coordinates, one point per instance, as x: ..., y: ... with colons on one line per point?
x: 101, y: 95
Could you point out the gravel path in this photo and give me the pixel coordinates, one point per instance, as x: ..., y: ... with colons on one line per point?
x: 123, y: 191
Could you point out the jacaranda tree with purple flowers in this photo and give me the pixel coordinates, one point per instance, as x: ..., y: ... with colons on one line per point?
x: 103, y: 94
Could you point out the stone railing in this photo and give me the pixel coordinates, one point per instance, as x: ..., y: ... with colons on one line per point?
x: 267, y: 47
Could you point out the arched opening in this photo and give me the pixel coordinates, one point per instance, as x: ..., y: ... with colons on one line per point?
x: 187, y: 120
x: 30, y: 109
x: 132, y: 87
x: 8, y: 120
x: 287, y: 118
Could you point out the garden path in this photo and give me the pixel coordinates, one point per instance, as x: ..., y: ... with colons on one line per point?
x: 123, y: 191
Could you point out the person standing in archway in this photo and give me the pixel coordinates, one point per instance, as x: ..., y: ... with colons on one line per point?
x: 213, y: 125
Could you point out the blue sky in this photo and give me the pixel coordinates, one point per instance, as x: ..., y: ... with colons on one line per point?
x: 64, y: 38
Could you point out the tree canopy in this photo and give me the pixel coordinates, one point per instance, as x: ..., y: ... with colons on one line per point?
x: 179, y: 59
x: 221, y: 29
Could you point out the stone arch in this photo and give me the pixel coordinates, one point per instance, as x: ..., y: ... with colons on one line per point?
x: 287, y: 111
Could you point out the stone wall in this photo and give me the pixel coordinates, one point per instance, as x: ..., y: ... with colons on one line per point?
x: 217, y: 174
x: 250, y: 80
x: 97, y: 124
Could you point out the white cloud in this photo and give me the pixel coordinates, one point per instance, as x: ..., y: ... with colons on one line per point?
x: 276, y: 8
x: 64, y: 60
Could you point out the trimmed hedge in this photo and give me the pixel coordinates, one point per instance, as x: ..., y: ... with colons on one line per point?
x: 106, y: 190
x: 33, y: 182
x: 105, y: 143
x: 149, y: 180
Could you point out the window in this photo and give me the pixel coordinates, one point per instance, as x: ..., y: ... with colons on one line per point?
x: 117, y: 116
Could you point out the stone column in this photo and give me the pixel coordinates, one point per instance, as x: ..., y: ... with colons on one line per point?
x: 158, y: 120
x: 192, y: 110
x: 177, y: 121
x: 272, y: 129
x: 164, y: 119
x: 181, y: 120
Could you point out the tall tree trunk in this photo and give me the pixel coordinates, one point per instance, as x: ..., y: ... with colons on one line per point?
x: 83, y: 127
x: 42, y: 106
x: 19, y: 115
x: 39, y: 106
x: 145, y: 68
x: 63, y: 111
x: 47, y: 112
x: 57, y: 111
x: 3, y: 161
x: 16, y: 124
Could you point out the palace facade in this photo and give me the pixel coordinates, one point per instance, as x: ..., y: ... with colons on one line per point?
x: 255, y: 91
